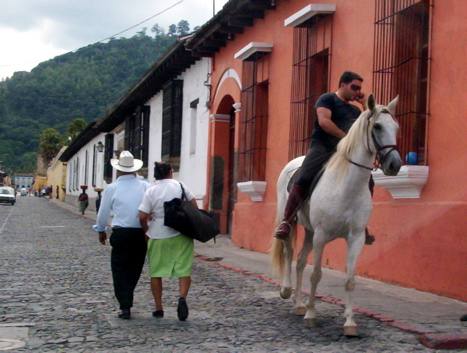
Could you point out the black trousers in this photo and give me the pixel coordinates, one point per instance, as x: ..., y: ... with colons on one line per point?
x: 127, y: 260
x: 315, y: 159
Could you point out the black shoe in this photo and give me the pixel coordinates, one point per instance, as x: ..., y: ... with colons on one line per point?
x: 182, y: 309
x: 125, y: 314
x: 158, y: 313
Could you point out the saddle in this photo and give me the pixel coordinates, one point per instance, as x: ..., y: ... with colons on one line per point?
x: 295, y: 176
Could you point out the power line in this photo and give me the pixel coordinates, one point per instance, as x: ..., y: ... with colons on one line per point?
x: 123, y: 31
x: 145, y: 20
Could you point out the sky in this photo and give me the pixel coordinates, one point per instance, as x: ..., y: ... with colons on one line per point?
x: 32, y: 31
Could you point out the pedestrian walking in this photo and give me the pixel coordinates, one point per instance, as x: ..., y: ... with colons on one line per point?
x: 170, y: 253
x: 83, y: 200
x: 121, y: 199
x: 98, y: 199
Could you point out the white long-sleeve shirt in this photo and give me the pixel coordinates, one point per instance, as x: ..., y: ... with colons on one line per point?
x: 121, y: 199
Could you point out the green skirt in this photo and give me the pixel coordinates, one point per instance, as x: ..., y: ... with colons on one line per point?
x: 172, y: 257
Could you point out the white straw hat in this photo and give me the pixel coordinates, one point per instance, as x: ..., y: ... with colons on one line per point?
x: 126, y: 162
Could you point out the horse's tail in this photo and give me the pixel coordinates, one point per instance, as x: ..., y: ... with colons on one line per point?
x: 277, y: 254
x: 277, y: 250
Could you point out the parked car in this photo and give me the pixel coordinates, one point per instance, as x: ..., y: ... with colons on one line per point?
x: 24, y: 192
x: 7, y: 195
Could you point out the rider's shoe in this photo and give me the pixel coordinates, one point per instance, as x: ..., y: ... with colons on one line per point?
x: 296, y: 197
x: 283, y: 230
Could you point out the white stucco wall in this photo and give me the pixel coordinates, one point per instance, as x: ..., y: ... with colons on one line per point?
x: 155, y: 133
x: 81, y: 154
x: 193, y: 164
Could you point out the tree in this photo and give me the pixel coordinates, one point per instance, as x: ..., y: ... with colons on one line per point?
x: 172, y: 30
x: 141, y: 33
x: 76, y: 126
x: 157, y: 30
x: 183, y: 28
x: 83, y: 83
x: 50, y: 142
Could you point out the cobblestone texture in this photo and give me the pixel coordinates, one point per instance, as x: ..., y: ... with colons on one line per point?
x: 56, y: 280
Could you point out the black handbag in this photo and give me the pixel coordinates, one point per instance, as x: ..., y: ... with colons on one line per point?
x: 181, y: 215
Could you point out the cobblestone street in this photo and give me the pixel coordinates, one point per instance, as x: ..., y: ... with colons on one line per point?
x: 56, y: 295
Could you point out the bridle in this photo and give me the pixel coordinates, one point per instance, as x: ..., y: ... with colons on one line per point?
x: 382, y: 151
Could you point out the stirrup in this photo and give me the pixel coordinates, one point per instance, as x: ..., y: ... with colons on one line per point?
x: 281, y: 233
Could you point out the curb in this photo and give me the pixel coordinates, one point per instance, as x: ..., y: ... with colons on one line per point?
x: 428, y: 338
x: 444, y: 341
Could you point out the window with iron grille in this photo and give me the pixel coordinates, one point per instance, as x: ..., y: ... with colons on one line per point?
x: 137, y: 134
x: 401, y: 67
x: 253, y: 120
x: 94, y: 165
x: 310, y: 79
x: 86, y: 166
x: 172, y: 109
x: 108, y: 155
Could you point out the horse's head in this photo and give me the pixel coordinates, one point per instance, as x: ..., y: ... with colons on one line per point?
x: 383, y: 130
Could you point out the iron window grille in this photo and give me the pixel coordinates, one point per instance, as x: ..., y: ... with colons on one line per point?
x: 94, y: 165
x: 253, y: 120
x: 172, y: 110
x: 108, y: 155
x: 401, y: 67
x: 310, y: 79
x: 86, y: 167
x: 137, y: 134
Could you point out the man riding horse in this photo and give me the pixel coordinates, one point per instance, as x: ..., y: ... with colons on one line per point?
x: 335, y: 116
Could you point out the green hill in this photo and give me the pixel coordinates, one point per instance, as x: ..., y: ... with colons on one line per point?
x: 83, y: 83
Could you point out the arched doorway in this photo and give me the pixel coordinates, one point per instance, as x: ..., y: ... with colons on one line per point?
x: 223, y: 186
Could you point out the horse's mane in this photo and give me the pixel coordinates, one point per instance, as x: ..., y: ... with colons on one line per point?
x: 355, y: 136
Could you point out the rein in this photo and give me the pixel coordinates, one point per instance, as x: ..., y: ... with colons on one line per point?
x: 378, y: 157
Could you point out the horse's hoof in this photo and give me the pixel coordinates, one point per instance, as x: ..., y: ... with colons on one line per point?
x: 286, y: 292
x: 350, y: 331
x: 311, y: 322
x: 299, y: 310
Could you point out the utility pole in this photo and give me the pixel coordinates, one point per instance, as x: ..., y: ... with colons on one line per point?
x: 213, y: 7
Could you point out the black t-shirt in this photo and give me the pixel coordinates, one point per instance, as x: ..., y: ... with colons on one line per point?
x: 343, y: 115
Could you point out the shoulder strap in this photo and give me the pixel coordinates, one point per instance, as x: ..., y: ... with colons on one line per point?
x: 183, y: 192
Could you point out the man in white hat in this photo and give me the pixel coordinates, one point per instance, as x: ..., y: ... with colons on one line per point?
x: 121, y: 200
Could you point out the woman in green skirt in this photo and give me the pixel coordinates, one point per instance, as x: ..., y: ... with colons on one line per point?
x: 170, y: 253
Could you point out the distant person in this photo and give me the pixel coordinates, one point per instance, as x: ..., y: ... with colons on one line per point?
x: 170, y: 253
x: 98, y: 199
x: 121, y: 199
x: 83, y: 200
x: 57, y: 191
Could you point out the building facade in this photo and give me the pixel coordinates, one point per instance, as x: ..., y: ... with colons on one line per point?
x: 56, y: 176
x: 272, y: 60
x: 23, y: 181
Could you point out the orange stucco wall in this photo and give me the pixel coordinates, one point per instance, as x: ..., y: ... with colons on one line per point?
x: 421, y: 243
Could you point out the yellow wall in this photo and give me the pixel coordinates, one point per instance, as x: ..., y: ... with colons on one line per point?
x: 39, y: 183
x: 56, y: 176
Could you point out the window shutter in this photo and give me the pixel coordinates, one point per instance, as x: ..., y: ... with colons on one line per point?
x: 108, y: 154
x: 145, y: 143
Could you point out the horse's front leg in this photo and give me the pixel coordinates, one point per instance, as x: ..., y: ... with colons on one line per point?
x: 355, y: 243
x: 299, y: 307
x: 319, y: 240
x: 286, y: 285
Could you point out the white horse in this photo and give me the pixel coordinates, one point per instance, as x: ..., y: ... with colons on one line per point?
x: 340, y: 205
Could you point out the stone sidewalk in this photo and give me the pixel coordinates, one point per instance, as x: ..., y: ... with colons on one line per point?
x: 434, y: 319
